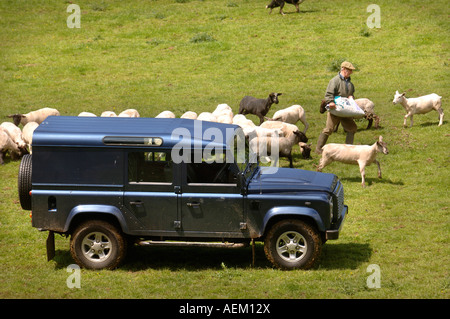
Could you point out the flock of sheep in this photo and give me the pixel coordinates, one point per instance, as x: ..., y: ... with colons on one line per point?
x: 281, y: 128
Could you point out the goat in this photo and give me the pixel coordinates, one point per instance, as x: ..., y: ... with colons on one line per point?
x: 419, y: 105
x: 291, y: 115
x: 263, y: 145
x: 27, y: 134
x: 129, y: 113
x: 280, y: 3
x: 363, y: 155
x: 258, y: 107
x: 34, y: 116
x: 8, y: 145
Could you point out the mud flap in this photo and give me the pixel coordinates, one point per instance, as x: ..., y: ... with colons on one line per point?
x: 50, y: 246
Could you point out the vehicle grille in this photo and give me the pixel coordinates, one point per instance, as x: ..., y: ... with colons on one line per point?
x: 339, y: 192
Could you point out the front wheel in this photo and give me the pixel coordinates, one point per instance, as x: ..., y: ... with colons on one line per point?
x: 97, y: 244
x: 293, y: 244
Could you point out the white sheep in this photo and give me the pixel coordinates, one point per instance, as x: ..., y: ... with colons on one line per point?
x: 27, y: 134
x: 108, y: 114
x: 87, y: 114
x: 363, y: 155
x: 287, y: 130
x: 207, y: 116
x: 369, y: 109
x: 15, y: 134
x: 34, y: 116
x: 8, y: 145
x: 189, y: 115
x: 264, y: 145
x: 419, y: 105
x: 165, y: 114
x: 129, y: 113
x: 292, y: 115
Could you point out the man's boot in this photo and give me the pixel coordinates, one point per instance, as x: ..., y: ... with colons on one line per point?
x: 350, y: 137
x: 321, y: 142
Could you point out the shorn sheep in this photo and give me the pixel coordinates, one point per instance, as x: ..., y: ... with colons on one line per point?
x: 292, y: 115
x: 258, y: 107
x: 263, y: 145
x: 35, y: 116
x: 419, y: 105
x: 166, y: 114
x: 363, y: 155
x: 129, y: 113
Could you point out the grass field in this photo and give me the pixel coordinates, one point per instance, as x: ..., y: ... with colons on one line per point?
x: 184, y: 55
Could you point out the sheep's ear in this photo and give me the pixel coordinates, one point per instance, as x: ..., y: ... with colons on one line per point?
x: 279, y: 94
x: 403, y: 94
x: 380, y: 139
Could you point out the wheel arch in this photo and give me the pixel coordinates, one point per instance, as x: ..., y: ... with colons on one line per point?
x: 306, y: 214
x: 107, y: 213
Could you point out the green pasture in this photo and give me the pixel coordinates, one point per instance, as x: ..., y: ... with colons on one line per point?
x: 182, y: 55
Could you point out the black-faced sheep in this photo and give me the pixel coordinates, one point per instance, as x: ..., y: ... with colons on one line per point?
x: 35, y: 116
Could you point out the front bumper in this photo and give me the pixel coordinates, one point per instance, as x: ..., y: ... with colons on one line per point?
x: 333, y: 234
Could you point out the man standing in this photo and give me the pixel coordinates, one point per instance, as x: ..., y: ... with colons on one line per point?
x: 340, y: 85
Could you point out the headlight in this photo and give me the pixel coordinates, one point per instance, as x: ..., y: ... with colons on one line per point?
x: 331, y: 202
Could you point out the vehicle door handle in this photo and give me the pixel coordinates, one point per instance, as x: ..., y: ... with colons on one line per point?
x: 137, y: 203
x: 193, y: 204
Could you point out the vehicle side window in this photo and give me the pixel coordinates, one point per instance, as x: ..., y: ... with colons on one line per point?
x: 215, y: 173
x: 149, y: 167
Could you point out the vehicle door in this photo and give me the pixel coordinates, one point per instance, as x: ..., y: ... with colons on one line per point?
x: 150, y: 191
x: 211, y: 201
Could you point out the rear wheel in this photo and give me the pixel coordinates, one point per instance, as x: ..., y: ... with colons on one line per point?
x: 293, y: 244
x: 97, y: 244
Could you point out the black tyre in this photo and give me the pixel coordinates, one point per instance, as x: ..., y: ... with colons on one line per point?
x: 24, y: 182
x: 293, y: 244
x: 97, y: 244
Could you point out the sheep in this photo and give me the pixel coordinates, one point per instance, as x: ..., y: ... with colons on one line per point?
x: 292, y: 115
x: 305, y: 149
x: 287, y: 130
x: 87, y: 114
x: 8, y: 145
x: 280, y: 3
x: 108, y: 114
x: 263, y: 145
x: 15, y: 134
x: 189, y: 115
x: 34, y: 116
x: 27, y: 134
x: 223, y: 114
x: 363, y: 155
x: 419, y: 105
x: 165, y: 114
x: 129, y: 113
x: 207, y: 116
x: 258, y: 107
x: 368, y: 107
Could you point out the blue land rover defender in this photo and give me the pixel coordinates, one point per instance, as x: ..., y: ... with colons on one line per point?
x: 109, y: 182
